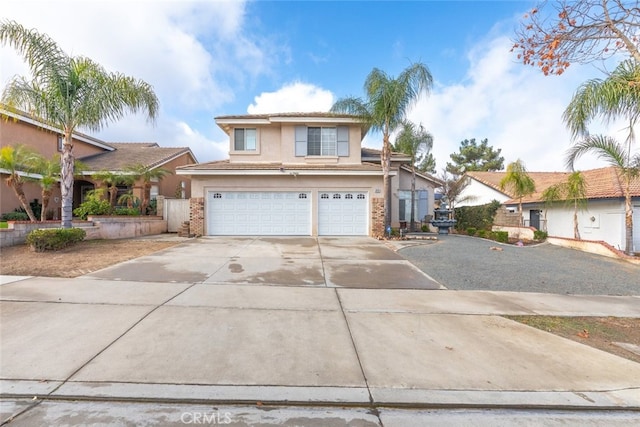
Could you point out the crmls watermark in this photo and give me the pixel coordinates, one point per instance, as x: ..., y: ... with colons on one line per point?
x: 213, y: 417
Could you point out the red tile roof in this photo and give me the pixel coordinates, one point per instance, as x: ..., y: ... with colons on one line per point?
x: 602, y: 183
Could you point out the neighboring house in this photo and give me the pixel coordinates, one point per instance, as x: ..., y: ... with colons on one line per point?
x: 299, y: 174
x: 601, y: 219
x: 96, y: 155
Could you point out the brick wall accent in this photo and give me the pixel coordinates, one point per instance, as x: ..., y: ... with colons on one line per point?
x: 196, y: 216
x: 377, y: 217
x: 505, y: 218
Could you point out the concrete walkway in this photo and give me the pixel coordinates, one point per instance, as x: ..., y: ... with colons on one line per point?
x: 324, y: 331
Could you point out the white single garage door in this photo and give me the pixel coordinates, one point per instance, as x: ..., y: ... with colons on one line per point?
x: 258, y: 213
x: 343, y: 214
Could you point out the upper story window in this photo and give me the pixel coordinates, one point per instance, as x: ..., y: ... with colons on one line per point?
x: 244, y: 139
x: 322, y: 141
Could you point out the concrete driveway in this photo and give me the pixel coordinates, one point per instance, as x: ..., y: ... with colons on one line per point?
x: 346, y: 262
x: 188, y: 325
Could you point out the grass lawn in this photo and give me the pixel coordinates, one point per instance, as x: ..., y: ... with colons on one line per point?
x: 598, y: 332
x: 3, y: 224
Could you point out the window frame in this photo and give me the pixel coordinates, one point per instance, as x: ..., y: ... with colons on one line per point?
x: 244, y: 148
x: 327, y: 147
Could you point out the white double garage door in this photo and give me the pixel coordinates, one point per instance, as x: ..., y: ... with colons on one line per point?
x: 287, y: 213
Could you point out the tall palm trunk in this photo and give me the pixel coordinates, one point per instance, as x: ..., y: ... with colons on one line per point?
x: 16, y: 184
x: 520, y: 212
x: 413, y: 198
x: 66, y: 181
x: 628, y: 217
x: 576, y: 230
x: 386, y: 167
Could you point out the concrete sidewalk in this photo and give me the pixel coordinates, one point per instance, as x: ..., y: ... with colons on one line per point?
x: 121, y: 340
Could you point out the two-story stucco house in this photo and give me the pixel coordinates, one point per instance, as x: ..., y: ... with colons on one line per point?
x: 299, y: 174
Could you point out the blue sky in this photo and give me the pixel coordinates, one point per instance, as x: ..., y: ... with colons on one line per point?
x: 211, y: 58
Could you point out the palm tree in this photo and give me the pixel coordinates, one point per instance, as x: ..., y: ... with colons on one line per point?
x: 70, y: 92
x: 417, y: 143
x: 129, y: 199
x: 573, y: 191
x: 617, y: 96
x: 16, y: 161
x: 110, y: 180
x: 49, y: 170
x: 147, y: 175
x: 625, y: 163
x: 387, y: 102
x: 518, y: 181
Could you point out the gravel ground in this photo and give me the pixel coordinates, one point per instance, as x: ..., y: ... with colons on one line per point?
x: 466, y: 263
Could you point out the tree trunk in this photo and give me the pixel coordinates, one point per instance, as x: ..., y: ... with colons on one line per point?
x: 16, y: 184
x: 113, y: 195
x: 46, y: 196
x: 520, y: 212
x: 628, y: 219
x: 66, y: 180
x: 576, y: 230
x: 146, y: 196
x: 386, y: 166
x: 413, y: 198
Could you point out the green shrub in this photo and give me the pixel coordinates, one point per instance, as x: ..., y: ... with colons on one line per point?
x: 482, y: 233
x: 425, y: 228
x: 15, y: 216
x: 53, y: 239
x: 500, y: 236
x: 539, y: 235
x: 478, y: 217
x: 36, y: 208
x: 92, y: 206
x: 471, y: 231
x: 127, y: 211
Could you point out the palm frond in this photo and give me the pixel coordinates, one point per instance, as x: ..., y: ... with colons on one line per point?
x: 604, y: 147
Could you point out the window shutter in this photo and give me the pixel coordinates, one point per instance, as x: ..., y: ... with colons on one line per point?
x: 343, y: 141
x: 301, y: 141
x: 238, y: 140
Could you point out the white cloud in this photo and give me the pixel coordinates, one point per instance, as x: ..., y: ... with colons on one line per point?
x: 516, y: 107
x: 293, y: 97
x: 192, y: 64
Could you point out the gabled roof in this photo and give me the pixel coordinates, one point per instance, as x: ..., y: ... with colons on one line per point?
x: 602, y: 183
x: 15, y: 114
x: 437, y: 181
x: 149, y: 154
x: 227, y: 123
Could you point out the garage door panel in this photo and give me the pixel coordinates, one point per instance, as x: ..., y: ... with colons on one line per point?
x: 343, y: 213
x: 258, y: 213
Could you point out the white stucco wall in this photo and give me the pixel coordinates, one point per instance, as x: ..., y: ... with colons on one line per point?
x: 201, y: 185
x: 482, y: 194
x: 600, y: 220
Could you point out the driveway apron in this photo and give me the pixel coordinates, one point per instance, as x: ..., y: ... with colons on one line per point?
x: 350, y: 262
